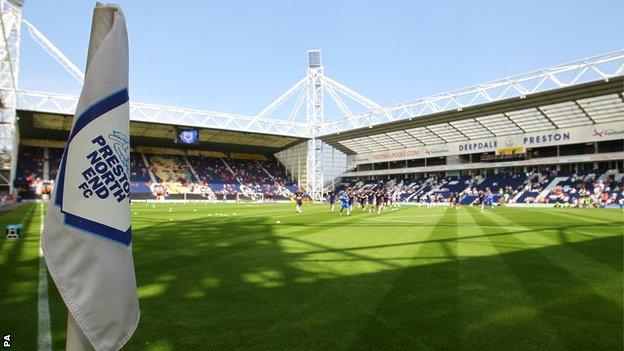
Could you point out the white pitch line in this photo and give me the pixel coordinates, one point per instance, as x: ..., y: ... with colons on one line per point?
x: 44, y: 338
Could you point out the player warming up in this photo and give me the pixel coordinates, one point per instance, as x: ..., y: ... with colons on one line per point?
x: 344, y: 198
x: 298, y: 201
x: 482, y: 199
x: 489, y: 198
x: 331, y: 198
x: 381, y: 200
x: 454, y: 200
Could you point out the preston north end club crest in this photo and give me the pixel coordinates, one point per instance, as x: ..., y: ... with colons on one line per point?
x: 121, y: 147
x: 93, y: 191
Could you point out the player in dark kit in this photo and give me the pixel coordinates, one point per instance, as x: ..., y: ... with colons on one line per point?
x: 456, y: 199
x: 298, y: 201
x: 371, y: 200
x: 351, y: 199
x: 482, y: 199
x: 363, y: 201
x: 451, y: 200
x: 331, y: 197
x: 381, y: 200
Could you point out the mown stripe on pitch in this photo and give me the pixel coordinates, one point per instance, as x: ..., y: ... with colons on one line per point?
x: 577, y: 229
x: 389, y: 229
x: 281, y: 263
x: 605, y: 280
x: 496, y: 309
x: 583, y: 318
x: 420, y: 311
x: 588, y: 215
x: 244, y: 243
x: 552, y: 220
x: 368, y: 301
x: 328, y: 239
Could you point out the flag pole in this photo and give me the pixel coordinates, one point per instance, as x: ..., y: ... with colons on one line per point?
x: 76, y: 340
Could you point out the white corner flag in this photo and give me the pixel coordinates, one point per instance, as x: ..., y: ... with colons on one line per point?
x: 87, y: 239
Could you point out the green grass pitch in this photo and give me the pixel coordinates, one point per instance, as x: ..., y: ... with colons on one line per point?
x: 225, y: 277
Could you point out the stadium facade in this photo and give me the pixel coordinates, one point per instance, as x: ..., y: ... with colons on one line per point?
x: 568, y: 118
x: 581, y: 123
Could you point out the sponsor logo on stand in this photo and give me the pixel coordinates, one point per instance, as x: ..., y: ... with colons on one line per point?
x: 607, y: 132
x: 383, y: 156
x: 437, y: 151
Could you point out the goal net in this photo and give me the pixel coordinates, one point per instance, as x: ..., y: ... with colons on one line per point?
x: 257, y: 198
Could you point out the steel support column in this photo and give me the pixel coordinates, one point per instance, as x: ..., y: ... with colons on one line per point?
x: 315, y: 119
x: 11, y: 18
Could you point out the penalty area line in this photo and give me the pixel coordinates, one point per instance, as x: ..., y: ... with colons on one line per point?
x: 44, y: 338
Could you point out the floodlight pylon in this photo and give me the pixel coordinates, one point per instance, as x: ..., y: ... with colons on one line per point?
x: 315, y: 119
x: 10, y: 23
x: 312, y: 89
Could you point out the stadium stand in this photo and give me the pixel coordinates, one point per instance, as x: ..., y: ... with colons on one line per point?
x: 29, y: 165
x: 29, y: 173
x: 199, y: 178
x: 171, y: 169
x: 140, y: 180
x: 605, y: 186
x: 265, y: 177
x: 214, y: 174
x: 596, y: 187
x: 222, y: 178
x: 138, y: 171
x: 54, y: 160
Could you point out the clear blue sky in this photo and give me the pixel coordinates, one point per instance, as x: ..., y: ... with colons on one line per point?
x: 237, y: 56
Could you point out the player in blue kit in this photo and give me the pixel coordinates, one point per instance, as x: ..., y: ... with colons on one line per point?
x: 489, y: 198
x: 346, y: 205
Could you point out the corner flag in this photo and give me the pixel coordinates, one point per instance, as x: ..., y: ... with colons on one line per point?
x: 87, y: 240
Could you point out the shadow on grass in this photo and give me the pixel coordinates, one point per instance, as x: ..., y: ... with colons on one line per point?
x: 579, y: 315
x: 19, y: 278
x: 610, y: 255
x: 237, y: 284
x: 612, y: 225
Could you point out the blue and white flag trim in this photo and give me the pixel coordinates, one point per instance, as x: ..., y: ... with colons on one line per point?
x: 100, y: 171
